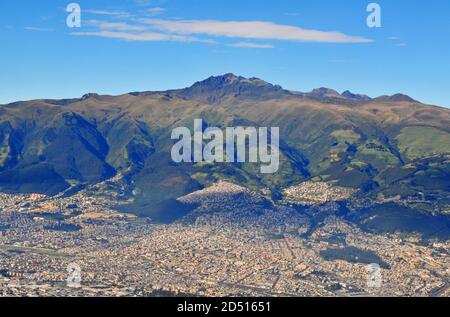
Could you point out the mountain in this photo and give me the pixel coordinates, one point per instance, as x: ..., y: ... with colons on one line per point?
x: 385, y: 146
x: 219, y: 88
x: 348, y: 94
x: 395, y: 98
x: 323, y: 92
x: 327, y: 95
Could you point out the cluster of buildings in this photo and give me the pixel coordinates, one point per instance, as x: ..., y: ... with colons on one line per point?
x: 236, y: 243
x: 311, y: 193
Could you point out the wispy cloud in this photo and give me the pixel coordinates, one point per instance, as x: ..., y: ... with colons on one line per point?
x: 38, y: 29
x: 156, y: 11
x: 251, y: 45
x: 397, y: 41
x: 115, y: 26
x: 143, y: 12
x: 251, y: 30
x: 143, y: 26
x: 114, y: 13
x: 143, y: 37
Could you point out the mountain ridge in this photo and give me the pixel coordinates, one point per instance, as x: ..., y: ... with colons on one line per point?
x: 378, y: 147
x: 219, y: 86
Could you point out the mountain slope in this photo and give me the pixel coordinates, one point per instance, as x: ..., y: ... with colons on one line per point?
x: 389, y: 145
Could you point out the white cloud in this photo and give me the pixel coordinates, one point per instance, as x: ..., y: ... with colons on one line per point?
x: 251, y: 30
x: 251, y: 45
x: 397, y: 41
x: 144, y: 37
x: 132, y: 28
x: 156, y: 11
x: 37, y: 29
x: 115, y: 26
x: 108, y: 12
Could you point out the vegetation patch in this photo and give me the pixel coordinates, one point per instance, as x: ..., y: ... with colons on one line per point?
x: 416, y: 142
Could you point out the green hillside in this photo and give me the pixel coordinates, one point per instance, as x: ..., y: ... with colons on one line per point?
x: 387, y: 145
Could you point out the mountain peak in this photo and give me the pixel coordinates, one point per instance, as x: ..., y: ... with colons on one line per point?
x: 396, y: 98
x: 89, y: 95
x: 217, y: 88
x: 230, y: 79
x: 348, y: 94
x: 218, y: 81
x: 323, y: 92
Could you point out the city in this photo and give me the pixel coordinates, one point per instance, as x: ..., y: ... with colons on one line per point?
x: 247, y: 249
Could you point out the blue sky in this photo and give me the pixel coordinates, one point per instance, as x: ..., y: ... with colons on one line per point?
x: 139, y: 45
